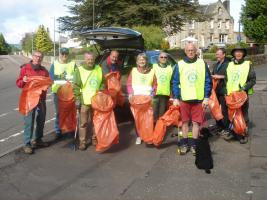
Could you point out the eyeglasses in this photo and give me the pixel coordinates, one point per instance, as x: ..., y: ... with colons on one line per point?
x: 163, y: 57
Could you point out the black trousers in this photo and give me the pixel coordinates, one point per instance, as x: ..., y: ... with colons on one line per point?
x: 160, y: 103
x: 223, y: 123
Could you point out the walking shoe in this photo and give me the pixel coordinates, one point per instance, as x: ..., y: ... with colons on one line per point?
x: 27, y: 150
x: 94, y: 141
x: 228, y: 137
x: 183, y: 149
x: 39, y: 143
x: 243, y: 140
x: 193, y: 150
x: 82, y: 147
x: 224, y: 133
x: 138, y: 141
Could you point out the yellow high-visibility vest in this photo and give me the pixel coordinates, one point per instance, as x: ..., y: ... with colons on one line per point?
x: 91, y: 82
x: 142, y: 84
x: 192, y: 80
x: 163, y: 76
x: 60, y: 68
x: 237, y: 76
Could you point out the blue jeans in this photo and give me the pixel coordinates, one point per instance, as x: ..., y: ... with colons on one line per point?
x: 57, y: 129
x: 29, y: 123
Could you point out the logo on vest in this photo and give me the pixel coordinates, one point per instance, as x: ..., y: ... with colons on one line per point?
x: 93, y: 83
x: 162, y: 78
x: 143, y: 79
x: 192, y: 77
x: 235, y: 76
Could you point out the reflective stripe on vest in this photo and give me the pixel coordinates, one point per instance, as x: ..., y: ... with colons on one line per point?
x: 91, y: 82
x: 60, y: 68
x: 163, y: 75
x: 142, y: 84
x: 192, y: 80
x: 237, y: 76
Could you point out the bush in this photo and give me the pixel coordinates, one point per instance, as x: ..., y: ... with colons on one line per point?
x: 209, y: 56
x: 153, y: 36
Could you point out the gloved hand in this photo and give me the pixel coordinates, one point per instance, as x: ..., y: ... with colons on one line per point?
x: 205, y: 103
x: 175, y: 102
x: 78, y: 104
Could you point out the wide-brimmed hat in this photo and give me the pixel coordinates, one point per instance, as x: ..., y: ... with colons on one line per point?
x: 238, y: 48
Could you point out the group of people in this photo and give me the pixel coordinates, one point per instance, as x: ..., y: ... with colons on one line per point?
x: 189, y: 84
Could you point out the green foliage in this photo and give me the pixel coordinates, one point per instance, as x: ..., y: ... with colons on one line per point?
x: 28, y: 42
x: 254, y: 19
x: 4, y: 47
x: 152, y: 35
x: 209, y: 56
x: 213, y: 49
x: 42, y: 40
x: 171, y: 14
x: 165, y: 45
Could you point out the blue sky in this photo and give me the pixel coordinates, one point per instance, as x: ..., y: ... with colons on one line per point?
x: 21, y: 16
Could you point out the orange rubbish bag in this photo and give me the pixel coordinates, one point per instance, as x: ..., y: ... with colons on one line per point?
x: 141, y: 108
x: 234, y: 102
x: 31, y: 93
x: 105, y: 126
x: 171, y: 117
x: 66, y: 108
x: 214, y: 105
x: 114, y: 87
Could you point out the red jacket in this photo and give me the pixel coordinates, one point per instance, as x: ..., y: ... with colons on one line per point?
x: 27, y: 70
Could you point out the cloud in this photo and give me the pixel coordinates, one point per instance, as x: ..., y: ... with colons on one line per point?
x: 18, y: 17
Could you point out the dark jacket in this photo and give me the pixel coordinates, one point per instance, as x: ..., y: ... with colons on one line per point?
x: 251, y: 79
x: 108, y: 67
x: 220, y: 69
x: 176, y: 81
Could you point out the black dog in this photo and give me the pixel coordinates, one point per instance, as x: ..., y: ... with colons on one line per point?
x: 203, y: 152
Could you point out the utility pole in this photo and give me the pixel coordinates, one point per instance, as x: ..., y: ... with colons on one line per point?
x: 239, y: 33
x: 58, y: 38
x: 32, y: 42
x: 93, y: 14
x: 54, y: 37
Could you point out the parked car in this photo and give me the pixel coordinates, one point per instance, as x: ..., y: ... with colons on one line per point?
x: 129, y: 43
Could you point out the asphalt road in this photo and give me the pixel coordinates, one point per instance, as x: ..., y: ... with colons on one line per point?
x: 126, y: 171
x: 11, y: 121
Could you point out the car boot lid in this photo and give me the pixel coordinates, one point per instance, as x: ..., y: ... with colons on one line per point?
x: 114, y: 37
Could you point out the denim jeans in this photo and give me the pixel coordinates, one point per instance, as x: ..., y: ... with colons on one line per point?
x: 40, y: 109
x: 56, y: 124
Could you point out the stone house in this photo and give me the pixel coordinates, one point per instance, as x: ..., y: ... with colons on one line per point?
x: 217, y: 30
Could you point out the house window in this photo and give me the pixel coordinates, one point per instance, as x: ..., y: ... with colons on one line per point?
x: 211, y: 23
x: 192, y: 24
x: 223, y: 38
x: 227, y: 24
x: 211, y: 37
x: 219, y: 24
x: 219, y: 11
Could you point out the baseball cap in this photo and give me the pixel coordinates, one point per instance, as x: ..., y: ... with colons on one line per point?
x: 64, y: 51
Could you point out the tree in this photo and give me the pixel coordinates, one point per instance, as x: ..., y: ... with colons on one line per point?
x: 42, y: 40
x: 152, y: 35
x: 4, y: 47
x: 170, y: 14
x: 254, y: 19
x: 28, y: 42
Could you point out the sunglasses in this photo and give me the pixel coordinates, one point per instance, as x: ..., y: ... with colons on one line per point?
x: 163, y: 57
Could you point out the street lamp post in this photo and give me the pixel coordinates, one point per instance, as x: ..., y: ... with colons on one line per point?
x: 54, y: 38
x: 239, y: 31
x: 93, y: 14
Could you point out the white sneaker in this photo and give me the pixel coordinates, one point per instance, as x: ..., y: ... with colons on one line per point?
x: 138, y: 140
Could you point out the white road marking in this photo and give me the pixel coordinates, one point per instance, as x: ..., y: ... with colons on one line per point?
x: 15, y: 109
x: 19, y: 133
x: 4, y: 114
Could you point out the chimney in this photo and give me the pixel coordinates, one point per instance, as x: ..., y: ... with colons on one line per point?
x: 226, y: 4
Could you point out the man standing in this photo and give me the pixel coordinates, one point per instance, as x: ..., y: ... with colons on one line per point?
x: 191, y: 89
x: 88, y: 79
x: 61, y: 71
x: 163, y: 73
x: 219, y: 70
x: 240, y: 76
x: 111, y: 64
x: 34, y: 68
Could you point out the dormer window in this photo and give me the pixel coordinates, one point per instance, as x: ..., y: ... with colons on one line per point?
x: 219, y: 11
